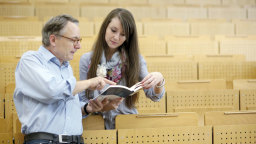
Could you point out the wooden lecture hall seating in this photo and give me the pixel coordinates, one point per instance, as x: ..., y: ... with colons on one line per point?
x: 205, y: 49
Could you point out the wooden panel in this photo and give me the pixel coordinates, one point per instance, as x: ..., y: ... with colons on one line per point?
x: 146, y: 105
x: 19, y: 138
x: 5, y: 126
x: 238, y: 2
x: 212, y: 28
x: 20, y: 28
x: 100, y: 137
x: 203, y: 2
x: 244, y: 46
x: 246, y: 28
x: 93, y: 122
x: 16, y: 124
x: 227, y: 13
x: 234, y: 134
x: 42, y: 10
x: 90, y: 1
x: 164, y: 28
x: 251, y: 13
x: 152, y: 47
x: 92, y: 11
x: 197, y: 84
x: 1, y: 105
x: 227, y: 70
x: 219, y: 58
x: 156, y: 120
x: 124, y: 2
x: 13, y: 1
x: 86, y: 28
x: 230, y: 118
x: 140, y: 12
x: 172, y: 135
x: 192, y: 46
x: 6, y: 138
x: 240, y: 84
x: 48, y: 1
x: 202, y: 100
x: 248, y: 99
x: 168, y: 58
x: 186, y: 12
x: 17, y: 10
x: 7, y: 75
x: 172, y: 70
x: 165, y: 2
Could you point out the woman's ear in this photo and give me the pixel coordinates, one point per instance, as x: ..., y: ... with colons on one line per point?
x: 52, y: 39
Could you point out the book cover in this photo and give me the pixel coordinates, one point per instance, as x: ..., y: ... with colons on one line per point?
x: 115, y: 91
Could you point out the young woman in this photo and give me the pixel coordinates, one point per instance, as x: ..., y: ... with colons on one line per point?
x: 116, y: 56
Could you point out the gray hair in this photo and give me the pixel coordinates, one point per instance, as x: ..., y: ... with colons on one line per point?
x: 54, y: 26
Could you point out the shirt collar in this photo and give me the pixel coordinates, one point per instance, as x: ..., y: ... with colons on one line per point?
x: 50, y: 57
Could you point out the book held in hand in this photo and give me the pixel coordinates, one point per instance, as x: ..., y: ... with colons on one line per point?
x: 116, y: 91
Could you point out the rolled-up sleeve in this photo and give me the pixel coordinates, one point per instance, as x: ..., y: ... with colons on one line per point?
x: 83, y: 71
x: 40, y: 82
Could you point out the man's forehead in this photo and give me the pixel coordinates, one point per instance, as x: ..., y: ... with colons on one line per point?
x: 72, y: 29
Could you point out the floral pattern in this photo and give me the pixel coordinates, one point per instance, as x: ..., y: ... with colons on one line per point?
x: 115, y: 74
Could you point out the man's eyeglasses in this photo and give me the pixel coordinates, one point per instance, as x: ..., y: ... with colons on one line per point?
x: 74, y: 40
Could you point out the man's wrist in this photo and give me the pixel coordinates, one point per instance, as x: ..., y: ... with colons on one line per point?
x: 85, y: 110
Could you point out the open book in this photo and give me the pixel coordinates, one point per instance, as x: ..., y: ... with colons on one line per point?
x: 115, y: 91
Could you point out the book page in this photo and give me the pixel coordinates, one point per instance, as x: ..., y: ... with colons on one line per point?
x: 116, y: 91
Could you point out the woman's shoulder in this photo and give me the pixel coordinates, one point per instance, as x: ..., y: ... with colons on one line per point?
x: 141, y: 58
x: 86, y: 56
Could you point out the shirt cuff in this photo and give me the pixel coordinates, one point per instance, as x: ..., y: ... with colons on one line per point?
x: 157, y: 97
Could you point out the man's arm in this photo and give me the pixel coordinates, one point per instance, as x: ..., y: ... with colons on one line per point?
x: 92, y: 84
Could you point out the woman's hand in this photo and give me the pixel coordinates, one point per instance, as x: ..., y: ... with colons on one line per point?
x: 152, y: 79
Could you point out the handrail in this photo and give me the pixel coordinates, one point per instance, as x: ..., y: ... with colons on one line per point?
x: 240, y: 112
x: 195, y: 81
x: 156, y: 115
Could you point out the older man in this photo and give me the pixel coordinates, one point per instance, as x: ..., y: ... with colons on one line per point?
x: 46, y: 93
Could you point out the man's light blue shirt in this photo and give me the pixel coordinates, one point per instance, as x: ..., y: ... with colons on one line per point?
x: 43, y: 95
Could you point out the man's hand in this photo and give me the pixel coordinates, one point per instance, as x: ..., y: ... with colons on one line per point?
x: 113, y: 104
x: 92, y: 84
x: 99, y: 83
x: 95, y: 105
x: 105, y: 105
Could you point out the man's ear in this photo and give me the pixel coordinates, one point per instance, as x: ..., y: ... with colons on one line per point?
x: 52, y: 39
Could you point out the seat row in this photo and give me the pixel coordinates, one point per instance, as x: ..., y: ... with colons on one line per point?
x: 174, y: 128
x: 144, y: 2
x: 185, y: 46
x: 194, y: 27
x: 182, y: 96
x: 139, y: 11
x: 173, y: 71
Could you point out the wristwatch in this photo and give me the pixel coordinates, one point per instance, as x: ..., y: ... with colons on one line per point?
x: 85, y: 110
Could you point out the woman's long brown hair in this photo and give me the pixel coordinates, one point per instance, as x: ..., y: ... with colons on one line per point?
x: 130, y: 47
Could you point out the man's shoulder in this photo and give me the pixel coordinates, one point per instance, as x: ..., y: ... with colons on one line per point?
x: 29, y: 54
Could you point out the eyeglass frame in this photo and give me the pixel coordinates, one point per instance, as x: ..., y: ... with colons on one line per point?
x: 75, y: 41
